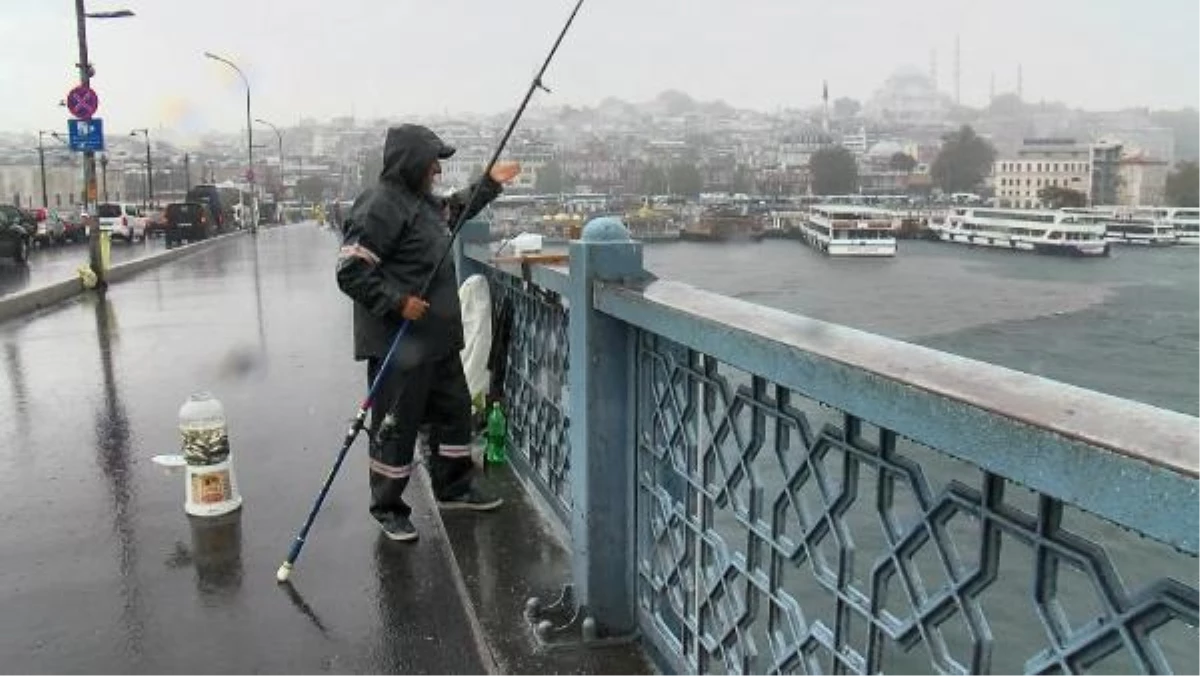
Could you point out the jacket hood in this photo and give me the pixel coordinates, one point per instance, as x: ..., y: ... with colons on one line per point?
x: 408, y: 152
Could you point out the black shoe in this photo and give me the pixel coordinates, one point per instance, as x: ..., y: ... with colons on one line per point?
x: 474, y: 499
x: 398, y: 528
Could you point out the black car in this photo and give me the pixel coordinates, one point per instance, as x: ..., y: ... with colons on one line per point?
x: 189, y: 221
x: 16, y: 233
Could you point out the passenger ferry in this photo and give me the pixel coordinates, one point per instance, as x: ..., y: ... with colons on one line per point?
x: 1186, y: 221
x: 1139, y: 230
x: 1123, y: 226
x: 846, y: 230
x: 1047, y: 232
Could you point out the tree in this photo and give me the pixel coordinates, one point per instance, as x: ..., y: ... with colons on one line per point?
x: 1183, y: 185
x: 1058, y: 197
x: 902, y: 162
x: 686, y: 180
x: 964, y: 160
x: 653, y: 181
x: 550, y: 179
x: 845, y: 107
x: 834, y: 171
x: 743, y: 180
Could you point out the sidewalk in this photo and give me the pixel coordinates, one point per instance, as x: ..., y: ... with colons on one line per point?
x: 101, y: 570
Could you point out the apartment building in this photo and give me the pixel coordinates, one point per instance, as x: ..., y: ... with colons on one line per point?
x: 1039, y: 163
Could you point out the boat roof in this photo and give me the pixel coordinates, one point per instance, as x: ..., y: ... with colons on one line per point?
x: 852, y: 209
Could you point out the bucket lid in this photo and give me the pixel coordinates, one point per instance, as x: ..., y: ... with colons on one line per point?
x: 170, y: 460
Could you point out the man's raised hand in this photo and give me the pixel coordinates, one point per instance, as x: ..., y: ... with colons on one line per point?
x: 503, y: 172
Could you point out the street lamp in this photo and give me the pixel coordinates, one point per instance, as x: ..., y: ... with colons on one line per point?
x: 249, y: 129
x: 278, y: 137
x: 89, y: 157
x: 42, y: 162
x: 104, y: 175
x: 149, y: 166
x: 118, y: 14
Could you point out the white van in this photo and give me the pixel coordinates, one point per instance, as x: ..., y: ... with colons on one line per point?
x: 122, y: 221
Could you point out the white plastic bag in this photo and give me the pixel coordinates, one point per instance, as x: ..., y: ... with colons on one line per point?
x: 476, y: 301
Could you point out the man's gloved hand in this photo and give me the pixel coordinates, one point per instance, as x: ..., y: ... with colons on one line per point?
x: 413, y: 308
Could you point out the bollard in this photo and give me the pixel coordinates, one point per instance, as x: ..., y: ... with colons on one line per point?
x: 105, y: 250
x: 210, y: 485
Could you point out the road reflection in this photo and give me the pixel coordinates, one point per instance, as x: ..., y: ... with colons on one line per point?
x: 113, y: 441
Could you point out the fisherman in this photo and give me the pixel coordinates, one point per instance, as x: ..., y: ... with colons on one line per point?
x: 395, y: 234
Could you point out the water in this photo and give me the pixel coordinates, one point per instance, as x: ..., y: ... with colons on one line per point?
x: 1125, y: 325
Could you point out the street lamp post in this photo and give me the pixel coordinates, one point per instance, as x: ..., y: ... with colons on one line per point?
x: 149, y: 166
x: 249, y: 133
x: 279, y: 138
x: 104, y: 175
x: 89, y: 156
x: 42, y: 162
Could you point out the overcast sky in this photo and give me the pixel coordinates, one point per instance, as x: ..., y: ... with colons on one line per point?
x: 395, y: 57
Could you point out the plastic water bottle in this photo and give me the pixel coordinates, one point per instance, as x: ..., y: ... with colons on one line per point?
x: 497, y: 436
x: 202, y: 426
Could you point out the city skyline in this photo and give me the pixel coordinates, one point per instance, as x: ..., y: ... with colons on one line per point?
x: 328, y: 62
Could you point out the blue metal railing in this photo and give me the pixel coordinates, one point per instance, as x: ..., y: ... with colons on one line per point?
x: 778, y: 494
x: 535, y: 384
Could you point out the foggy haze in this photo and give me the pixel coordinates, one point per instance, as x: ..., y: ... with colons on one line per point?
x: 391, y: 58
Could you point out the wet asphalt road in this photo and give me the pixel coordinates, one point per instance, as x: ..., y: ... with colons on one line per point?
x: 54, y: 263
x: 100, y: 568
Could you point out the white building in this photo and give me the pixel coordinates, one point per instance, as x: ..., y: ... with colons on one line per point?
x: 1041, y: 163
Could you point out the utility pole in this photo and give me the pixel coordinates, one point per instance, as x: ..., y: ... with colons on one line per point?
x: 89, y: 156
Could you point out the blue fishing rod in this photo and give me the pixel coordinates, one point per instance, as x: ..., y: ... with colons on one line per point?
x: 357, y: 425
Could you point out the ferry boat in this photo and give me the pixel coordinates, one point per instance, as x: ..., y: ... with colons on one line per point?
x: 847, y: 230
x: 1139, y: 230
x: 1186, y: 221
x: 1046, y: 232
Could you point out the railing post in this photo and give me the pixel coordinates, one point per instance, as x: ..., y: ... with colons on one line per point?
x: 472, y: 232
x: 601, y: 432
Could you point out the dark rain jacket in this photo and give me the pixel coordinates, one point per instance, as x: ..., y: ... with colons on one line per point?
x: 394, y: 235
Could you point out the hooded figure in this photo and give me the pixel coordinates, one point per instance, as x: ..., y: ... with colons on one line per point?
x: 395, y: 234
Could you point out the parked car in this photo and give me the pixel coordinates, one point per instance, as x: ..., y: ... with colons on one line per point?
x: 156, y: 222
x: 189, y: 221
x: 74, y: 226
x: 50, y: 229
x: 16, y: 233
x: 124, y: 221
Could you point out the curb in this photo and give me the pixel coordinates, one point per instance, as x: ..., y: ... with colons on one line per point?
x: 32, y: 300
x: 482, y: 647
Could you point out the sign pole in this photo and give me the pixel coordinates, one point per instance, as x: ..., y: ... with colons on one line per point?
x: 89, y: 157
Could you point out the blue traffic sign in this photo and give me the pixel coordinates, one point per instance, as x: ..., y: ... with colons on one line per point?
x: 86, y: 135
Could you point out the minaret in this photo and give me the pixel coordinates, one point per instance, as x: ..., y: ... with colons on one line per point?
x: 957, y: 74
x: 1020, y: 87
x: 825, y: 98
x: 992, y: 88
x: 933, y: 68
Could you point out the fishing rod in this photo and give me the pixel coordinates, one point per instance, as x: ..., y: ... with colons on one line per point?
x: 356, y: 426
